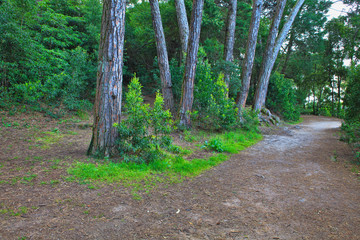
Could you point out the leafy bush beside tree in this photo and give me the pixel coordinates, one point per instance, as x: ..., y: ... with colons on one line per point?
x: 281, y: 97
x: 144, y: 133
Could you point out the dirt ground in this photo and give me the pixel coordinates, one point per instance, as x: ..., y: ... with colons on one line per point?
x: 295, y: 184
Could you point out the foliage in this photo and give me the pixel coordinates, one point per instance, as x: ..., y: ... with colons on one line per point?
x: 214, y: 144
x: 351, y: 135
x: 249, y: 120
x: 281, y: 97
x: 352, y: 93
x: 213, y: 109
x: 169, y: 170
x: 47, y: 51
x: 136, y: 142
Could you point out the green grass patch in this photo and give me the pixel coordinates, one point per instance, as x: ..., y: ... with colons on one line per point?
x: 295, y: 122
x: 49, y: 138
x: 172, y: 169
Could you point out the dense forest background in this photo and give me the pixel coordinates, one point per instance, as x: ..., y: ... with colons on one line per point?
x: 49, y: 49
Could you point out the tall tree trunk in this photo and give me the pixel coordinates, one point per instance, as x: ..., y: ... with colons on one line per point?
x: 183, y: 24
x: 230, y: 37
x: 163, y: 60
x: 271, y: 55
x: 314, y: 110
x: 107, y: 108
x: 187, y: 96
x: 332, y: 82
x: 249, y: 55
x: 266, y: 62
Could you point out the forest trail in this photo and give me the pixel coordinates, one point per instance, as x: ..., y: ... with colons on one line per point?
x: 292, y: 185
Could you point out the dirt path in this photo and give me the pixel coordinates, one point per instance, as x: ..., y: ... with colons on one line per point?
x: 290, y: 186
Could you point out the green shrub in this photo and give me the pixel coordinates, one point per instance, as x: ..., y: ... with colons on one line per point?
x: 214, y: 144
x: 281, y: 97
x: 352, y: 93
x: 213, y: 109
x: 351, y: 135
x: 250, y: 120
x: 145, y: 132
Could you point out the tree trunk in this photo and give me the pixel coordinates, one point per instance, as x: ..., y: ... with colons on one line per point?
x: 272, y: 52
x: 182, y: 24
x: 163, y: 60
x: 339, y: 95
x: 187, y: 96
x: 332, y: 82
x: 266, y: 62
x: 249, y: 55
x: 107, y: 108
x: 230, y: 38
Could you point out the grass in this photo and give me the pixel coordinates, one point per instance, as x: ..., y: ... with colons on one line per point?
x: 172, y: 169
x: 295, y: 122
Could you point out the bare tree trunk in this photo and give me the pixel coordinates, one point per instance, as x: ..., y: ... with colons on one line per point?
x: 266, y: 62
x: 182, y: 24
x: 249, y: 55
x: 187, y: 96
x: 163, y: 60
x: 107, y: 108
x: 269, y: 61
x: 230, y: 37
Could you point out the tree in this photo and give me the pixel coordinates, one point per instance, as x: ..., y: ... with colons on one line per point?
x: 187, y: 96
x: 273, y: 46
x: 182, y: 24
x: 230, y: 37
x: 162, y: 54
x: 249, y: 55
x: 107, y: 109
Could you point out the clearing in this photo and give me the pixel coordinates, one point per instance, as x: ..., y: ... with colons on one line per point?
x: 295, y: 184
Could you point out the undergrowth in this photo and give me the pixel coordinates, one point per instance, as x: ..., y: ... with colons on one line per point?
x: 172, y: 169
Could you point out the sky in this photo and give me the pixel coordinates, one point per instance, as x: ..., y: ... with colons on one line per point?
x: 337, y: 9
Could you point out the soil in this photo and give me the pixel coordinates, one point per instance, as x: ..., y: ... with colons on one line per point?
x: 295, y: 184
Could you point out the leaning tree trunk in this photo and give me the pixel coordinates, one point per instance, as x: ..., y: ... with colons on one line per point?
x: 183, y: 24
x: 249, y: 55
x: 107, y: 108
x: 187, y: 96
x: 230, y: 38
x: 163, y: 60
x: 265, y: 70
x: 261, y: 91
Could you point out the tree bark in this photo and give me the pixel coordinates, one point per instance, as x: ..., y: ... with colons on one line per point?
x: 249, y: 55
x: 266, y: 62
x: 162, y: 54
x: 271, y: 54
x: 187, y: 96
x: 107, y: 108
x: 230, y: 38
x: 339, y: 95
x: 182, y: 24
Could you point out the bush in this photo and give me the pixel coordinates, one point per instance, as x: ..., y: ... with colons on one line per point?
x: 351, y: 99
x: 145, y: 132
x: 351, y: 130
x: 249, y: 120
x: 281, y: 97
x: 213, y: 109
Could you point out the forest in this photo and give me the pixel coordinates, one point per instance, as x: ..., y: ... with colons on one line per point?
x: 286, y: 56
x: 179, y: 119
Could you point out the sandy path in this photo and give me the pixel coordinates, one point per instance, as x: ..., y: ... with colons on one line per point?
x: 285, y: 187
